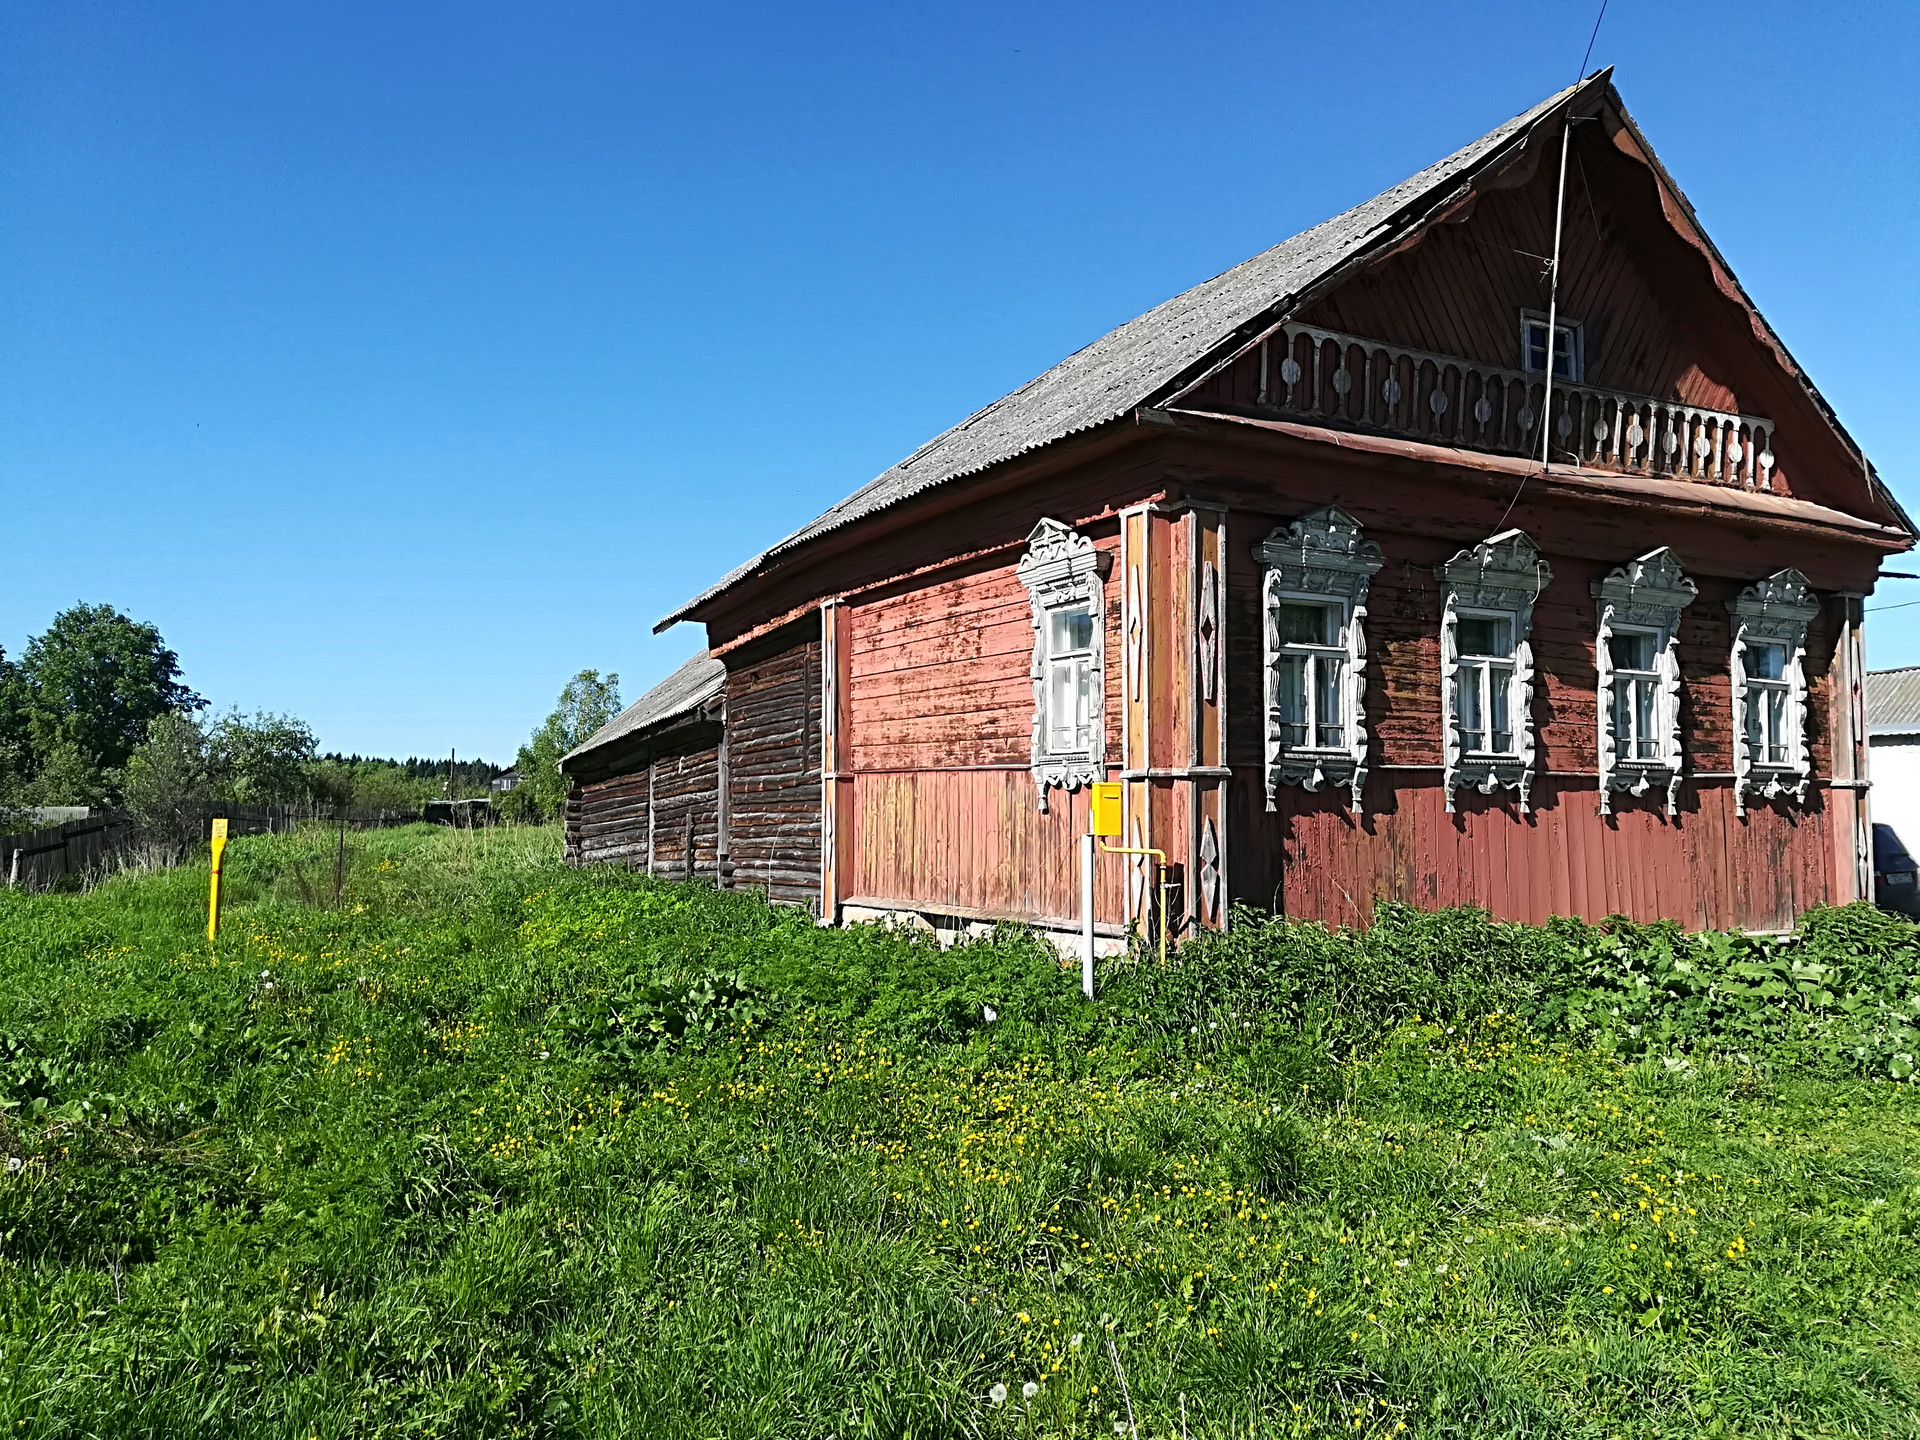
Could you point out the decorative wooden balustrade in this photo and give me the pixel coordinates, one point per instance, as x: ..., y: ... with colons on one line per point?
x: 1450, y: 401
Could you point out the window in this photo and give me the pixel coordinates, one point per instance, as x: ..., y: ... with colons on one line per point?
x: 1639, y: 676
x: 1317, y: 571
x: 1483, y: 683
x: 1309, y: 675
x: 1533, y: 346
x: 1487, y: 664
x: 1636, y: 694
x: 1770, y: 620
x: 1769, y: 697
x: 1069, y: 679
x: 1063, y: 574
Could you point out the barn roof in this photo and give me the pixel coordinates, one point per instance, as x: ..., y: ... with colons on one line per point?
x: 1126, y: 367
x: 1893, y: 701
x: 681, y: 693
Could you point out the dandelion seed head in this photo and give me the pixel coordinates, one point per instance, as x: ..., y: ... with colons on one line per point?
x: 998, y: 1394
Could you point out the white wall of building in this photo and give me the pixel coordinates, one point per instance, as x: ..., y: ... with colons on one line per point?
x: 1895, y: 797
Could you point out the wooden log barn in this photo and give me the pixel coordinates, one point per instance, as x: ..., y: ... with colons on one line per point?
x: 1385, y: 565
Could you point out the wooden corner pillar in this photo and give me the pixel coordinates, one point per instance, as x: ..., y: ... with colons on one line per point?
x: 1173, y: 704
x: 836, y: 785
x: 1848, y: 795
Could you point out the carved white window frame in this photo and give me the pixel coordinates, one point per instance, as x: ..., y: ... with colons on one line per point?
x: 1644, y: 595
x: 1062, y: 569
x: 1501, y: 576
x: 1320, y: 557
x: 1775, y: 611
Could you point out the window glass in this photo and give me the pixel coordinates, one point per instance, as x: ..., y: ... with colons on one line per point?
x: 1328, y: 706
x: 1290, y: 698
x: 1304, y: 623
x: 1631, y: 650
x: 1470, y: 695
x: 1071, y: 629
x: 1766, y: 662
x: 1487, y: 635
x: 1775, y: 702
x: 1069, y: 704
x: 1536, y: 349
x: 1498, y: 691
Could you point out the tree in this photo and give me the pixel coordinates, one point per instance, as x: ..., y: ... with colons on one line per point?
x: 169, y: 780
x: 262, y: 759
x: 86, y: 690
x: 587, y: 703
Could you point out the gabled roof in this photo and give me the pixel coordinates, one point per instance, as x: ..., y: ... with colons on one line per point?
x: 681, y: 693
x: 1893, y: 701
x: 1128, y: 366
x: 1162, y: 352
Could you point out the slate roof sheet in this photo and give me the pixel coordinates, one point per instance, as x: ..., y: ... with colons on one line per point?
x: 1893, y: 701
x: 682, y: 692
x: 1128, y: 366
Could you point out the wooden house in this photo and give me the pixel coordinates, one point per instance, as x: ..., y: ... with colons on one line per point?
x: 1377, y: 567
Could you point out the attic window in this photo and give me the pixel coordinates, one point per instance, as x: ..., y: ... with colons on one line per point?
x: 1566, y: 346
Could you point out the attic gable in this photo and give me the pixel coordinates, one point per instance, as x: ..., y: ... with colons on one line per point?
x: 1652, y: 312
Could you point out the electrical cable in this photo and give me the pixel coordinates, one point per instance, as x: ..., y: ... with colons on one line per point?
x: 1560, y: 200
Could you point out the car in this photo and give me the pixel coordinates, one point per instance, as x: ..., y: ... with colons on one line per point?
x: 1896, y: 874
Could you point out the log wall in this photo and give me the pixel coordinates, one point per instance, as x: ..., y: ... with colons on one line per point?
x: 773, y: 759
x: 609, y: 821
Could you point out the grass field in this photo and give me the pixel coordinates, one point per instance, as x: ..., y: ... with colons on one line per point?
x: 494, y: 1148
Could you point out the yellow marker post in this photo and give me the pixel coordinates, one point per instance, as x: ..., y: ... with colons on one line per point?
x: 213, y: 894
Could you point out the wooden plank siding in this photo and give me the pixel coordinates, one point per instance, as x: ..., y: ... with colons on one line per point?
x: 944, y: 810
x: 1706, y: 867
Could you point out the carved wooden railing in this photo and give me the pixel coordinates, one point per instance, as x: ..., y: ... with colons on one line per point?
x: 1447, y: 400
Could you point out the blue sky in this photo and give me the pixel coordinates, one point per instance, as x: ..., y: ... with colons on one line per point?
x: 400, y: 360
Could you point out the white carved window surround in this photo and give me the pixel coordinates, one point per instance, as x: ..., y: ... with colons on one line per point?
x: 1065, y: 580
x: 1636, y: 653
x: 1486, y: 663
x: 1315, y: 604
x: 1770, y: 754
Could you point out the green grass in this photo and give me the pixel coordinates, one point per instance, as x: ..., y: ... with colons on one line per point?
x: 498, y: 1148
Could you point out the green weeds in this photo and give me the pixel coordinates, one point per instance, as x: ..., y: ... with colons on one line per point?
x: 494, y: 1148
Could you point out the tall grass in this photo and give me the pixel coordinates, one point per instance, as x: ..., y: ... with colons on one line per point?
x: 493, y: 1147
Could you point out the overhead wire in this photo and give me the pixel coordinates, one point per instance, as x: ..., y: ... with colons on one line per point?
x: 1553, y: 301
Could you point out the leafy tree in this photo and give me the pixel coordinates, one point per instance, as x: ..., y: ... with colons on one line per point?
x: 67, y: 775
x: 86, y: 690
x: 587, y: 703
x: 262, y: 759
x: 169, y: 779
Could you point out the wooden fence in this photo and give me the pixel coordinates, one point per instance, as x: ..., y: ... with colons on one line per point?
x: 38, y: 859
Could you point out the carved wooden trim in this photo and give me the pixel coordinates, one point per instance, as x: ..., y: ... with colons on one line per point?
x: 1319, y: 556
x: 1647, y: 593
x: 1775, y: 610
x: 1502, y: 573
x: 1061, y: 568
